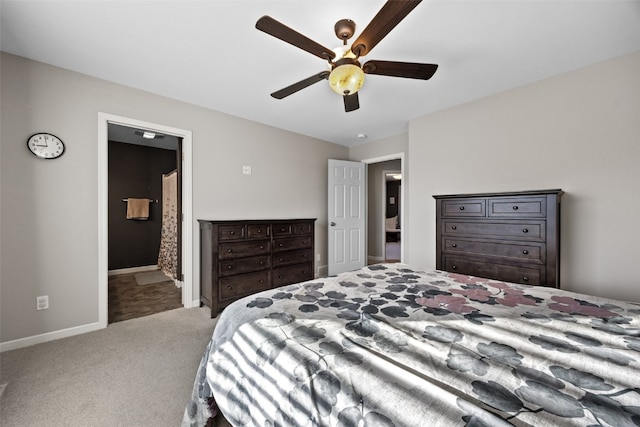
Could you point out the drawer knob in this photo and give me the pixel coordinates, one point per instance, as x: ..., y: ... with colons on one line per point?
x: 261, y: 281
x: 232, y: 233
x: 455, y: 245
x: 279, y: 277
x: 261, y: 246
x: 526, y: 252
x: 525, y: 230
x: 461, y: 208
x: 453, y: 267
x: 229, y: 267
x: 453, y: 227
x: 261, y: 262
x: 281, y: 244
x: 280, y: 259
x: 525, y: 279
x: 515, y: 207
x: 229, y: 287
x: 228, y: 250
x: 304, y: 255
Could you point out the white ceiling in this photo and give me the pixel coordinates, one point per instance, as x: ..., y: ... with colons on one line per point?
x: 209, y: 53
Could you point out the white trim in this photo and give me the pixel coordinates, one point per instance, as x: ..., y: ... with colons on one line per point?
x: 403, y: 187
x: 49, y: 336
x: 132, y: 270
x: 188, y: 299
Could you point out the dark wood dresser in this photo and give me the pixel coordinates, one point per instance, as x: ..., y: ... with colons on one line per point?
x: 514, y: 237
x: 238, y: 258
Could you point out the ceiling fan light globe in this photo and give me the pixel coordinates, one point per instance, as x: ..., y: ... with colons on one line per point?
x: 346, y: 79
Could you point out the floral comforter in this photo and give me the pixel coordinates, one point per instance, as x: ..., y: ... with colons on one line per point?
x: 388, y: 345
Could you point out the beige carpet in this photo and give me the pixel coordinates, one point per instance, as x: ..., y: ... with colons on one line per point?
x: 137, y: 372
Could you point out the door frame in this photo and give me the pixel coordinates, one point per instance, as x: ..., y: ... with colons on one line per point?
x: 403, y: 221
x: 104, y: 119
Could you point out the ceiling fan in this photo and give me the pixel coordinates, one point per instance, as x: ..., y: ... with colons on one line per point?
x: 345, y: 73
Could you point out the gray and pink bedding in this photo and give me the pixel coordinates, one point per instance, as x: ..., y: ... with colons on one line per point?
x: 389, y: 345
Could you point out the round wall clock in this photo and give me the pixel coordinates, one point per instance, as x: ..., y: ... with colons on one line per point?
x: 45, y: 145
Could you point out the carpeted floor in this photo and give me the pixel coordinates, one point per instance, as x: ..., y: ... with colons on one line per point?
x: 137, y: 372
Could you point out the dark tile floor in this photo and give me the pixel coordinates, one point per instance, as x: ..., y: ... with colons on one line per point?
x: 128, y: 300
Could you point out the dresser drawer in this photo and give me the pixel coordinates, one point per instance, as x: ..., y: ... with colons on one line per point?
x: 283, y: 229
x: 292, y: 274
x: 243, y: 249
x: 258, y: 231
x: 531, y: 207
x: 292, y: 257
x: 464, y: 207
x: 529, y: 275
x: 527, y: 252
x: 230, y: 232
x: 243, y: 284
x: 303, y: 228
x: 232, y: 266
x: 520, y: 230
x: 286, y: 244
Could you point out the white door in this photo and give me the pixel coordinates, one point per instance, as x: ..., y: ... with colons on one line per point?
x: 346, y: 216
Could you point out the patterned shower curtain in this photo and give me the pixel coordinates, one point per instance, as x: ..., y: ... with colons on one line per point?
x: 168, y: 256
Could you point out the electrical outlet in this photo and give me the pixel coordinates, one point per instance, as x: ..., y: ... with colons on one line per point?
x: 317, y: 257
x: 42, y: 303
x: 246, y: 170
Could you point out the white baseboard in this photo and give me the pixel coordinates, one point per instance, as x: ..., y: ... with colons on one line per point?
x: 49, y: 336
x: 133, y: 270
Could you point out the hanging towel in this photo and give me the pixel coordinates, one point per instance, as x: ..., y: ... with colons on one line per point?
x: 138, y: 209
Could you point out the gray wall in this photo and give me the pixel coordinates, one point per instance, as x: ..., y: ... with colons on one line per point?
x: 579, y: 131
x: 49, y: 216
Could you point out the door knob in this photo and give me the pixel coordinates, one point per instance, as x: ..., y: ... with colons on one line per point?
x: 333, y: 224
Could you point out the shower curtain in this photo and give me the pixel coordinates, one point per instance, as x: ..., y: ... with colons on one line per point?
x: 168, y: 256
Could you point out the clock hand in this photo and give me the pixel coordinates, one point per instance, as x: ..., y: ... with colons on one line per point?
x: 46, y: 144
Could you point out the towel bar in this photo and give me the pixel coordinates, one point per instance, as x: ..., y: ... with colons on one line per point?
x: 150, y: 200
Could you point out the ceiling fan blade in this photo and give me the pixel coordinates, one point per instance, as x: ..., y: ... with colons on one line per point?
x: 300, y: 85
x: 286, y: 34
x: 411, y: 70
x: 387, y: 18
x: 351, y: 102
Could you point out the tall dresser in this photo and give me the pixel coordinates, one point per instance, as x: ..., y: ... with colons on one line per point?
x: 238, y: 258
x: 514, y: 237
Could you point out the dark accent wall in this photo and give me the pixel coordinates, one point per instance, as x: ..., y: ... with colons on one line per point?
x: 392, y: 191
x: 135, y: 171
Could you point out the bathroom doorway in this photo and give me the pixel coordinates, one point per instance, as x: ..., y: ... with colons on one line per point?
x: 143, y: 236
x: 123, y: 164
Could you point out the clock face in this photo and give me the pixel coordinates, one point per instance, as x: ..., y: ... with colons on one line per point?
x: 45, y: 146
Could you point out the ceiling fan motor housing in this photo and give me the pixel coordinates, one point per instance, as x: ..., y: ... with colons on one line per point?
x: 345, y: 28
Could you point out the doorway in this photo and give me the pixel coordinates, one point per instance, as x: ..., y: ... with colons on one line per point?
x: 385, y: 216
x: 143, y: 236
x: 108, y: 126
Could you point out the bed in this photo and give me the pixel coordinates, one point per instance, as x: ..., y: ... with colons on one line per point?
x: 391, y: 345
